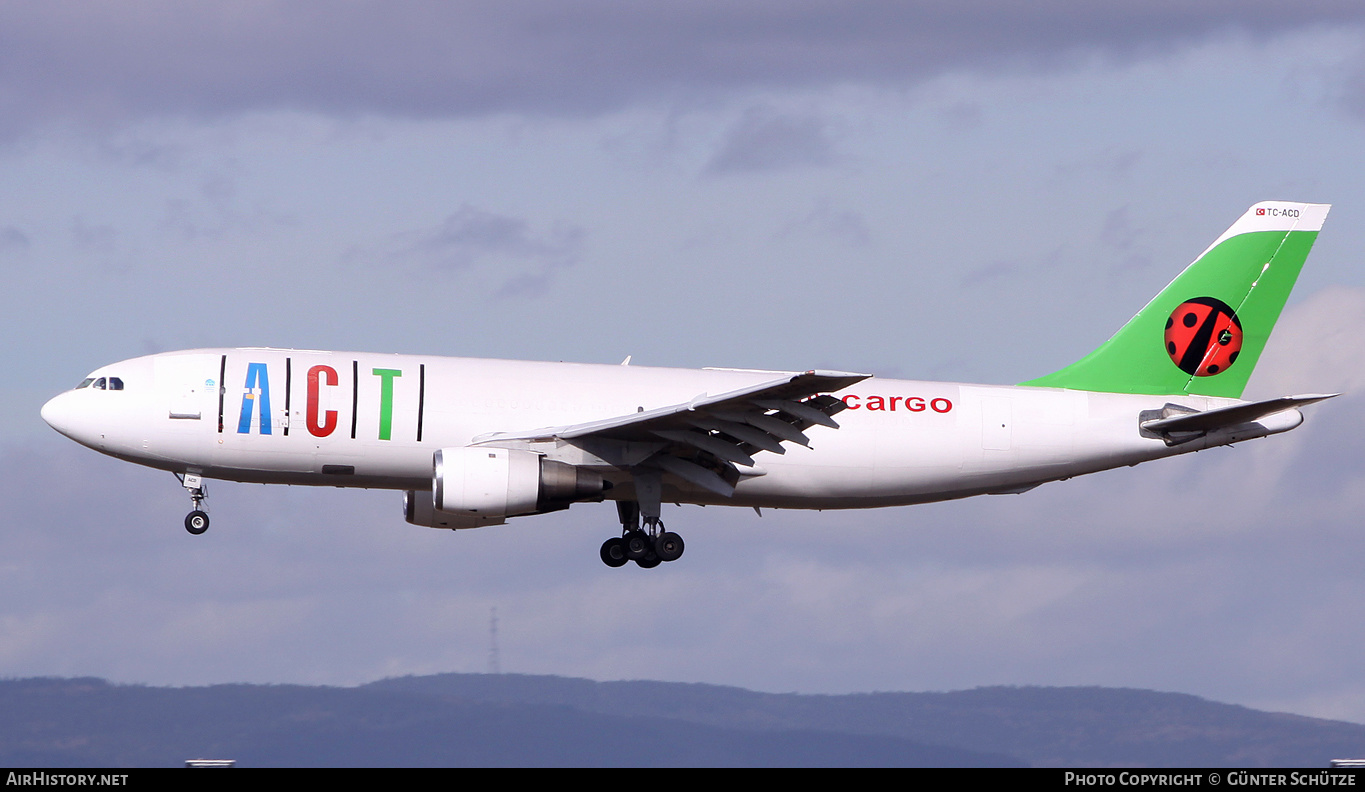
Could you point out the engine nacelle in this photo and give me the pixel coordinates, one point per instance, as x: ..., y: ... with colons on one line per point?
x: 418, y: 509
x: 504, y: 482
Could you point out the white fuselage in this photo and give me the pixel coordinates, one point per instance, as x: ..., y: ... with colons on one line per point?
x: 375, y: 420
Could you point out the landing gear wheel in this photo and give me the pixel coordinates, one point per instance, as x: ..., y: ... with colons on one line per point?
x: 669, y: 546
x: 196, y: 522
x: 638, y: 545
x: 614, y: 552
x: 650, y: 561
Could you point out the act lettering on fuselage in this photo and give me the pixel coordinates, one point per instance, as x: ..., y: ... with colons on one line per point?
x: 475, y: 442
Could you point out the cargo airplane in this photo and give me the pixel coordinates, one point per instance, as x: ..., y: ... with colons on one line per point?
x: 475, y: 442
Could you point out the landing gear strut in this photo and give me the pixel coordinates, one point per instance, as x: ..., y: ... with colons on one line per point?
x: 648, y: 546
x: 197, y: 521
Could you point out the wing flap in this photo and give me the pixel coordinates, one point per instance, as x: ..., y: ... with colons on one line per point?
x: 789, y: 387
x: 766, y: 423
x: 641, y: 425
x: 693, y: 473
x: 742, y: 432
x: 708, y: 442
x: 707, y: 437
x: 799, y: 411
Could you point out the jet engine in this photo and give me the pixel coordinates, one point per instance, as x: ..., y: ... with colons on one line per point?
x: 503, y: 482
x: 419, y: 510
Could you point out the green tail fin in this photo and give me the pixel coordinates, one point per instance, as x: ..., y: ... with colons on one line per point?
x: 1205, y: 331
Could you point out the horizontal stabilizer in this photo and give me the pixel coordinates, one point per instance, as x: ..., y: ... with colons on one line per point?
x: 1209, y: 420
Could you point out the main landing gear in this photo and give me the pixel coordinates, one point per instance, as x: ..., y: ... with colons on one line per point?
x: 648, y: 546
x: 197, y: 521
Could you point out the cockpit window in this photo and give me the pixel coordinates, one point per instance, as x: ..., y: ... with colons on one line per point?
x: 103, y: 383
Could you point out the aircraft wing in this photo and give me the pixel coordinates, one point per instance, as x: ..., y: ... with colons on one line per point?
x: 703, y: 440
x: 1210, y: 420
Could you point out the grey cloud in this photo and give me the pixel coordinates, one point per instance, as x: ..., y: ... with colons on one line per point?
x: 1346, y: 87
x: 215, y: 212
x: 824, y: 220
x: 106, y: 62
x: 12, y: 238
x: 89, y: 237
x: 1125, y: 239
x: 962, y: 116
x: 140, y: 152
x: 766, y: 140
x: 1318, y: 347
x: 1120, y: 234
x: 990, y: 273
x: 1113, y: 163
x: 472, y: 235
x: 1118, y: 229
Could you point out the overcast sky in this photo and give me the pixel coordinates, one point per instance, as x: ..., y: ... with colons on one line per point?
x: 975, y: 191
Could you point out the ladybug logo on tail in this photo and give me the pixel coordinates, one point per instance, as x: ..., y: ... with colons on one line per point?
x: 1203, y: 336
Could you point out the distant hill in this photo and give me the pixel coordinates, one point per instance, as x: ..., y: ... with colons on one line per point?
x: 518, y: 720
x: 1041, y: 726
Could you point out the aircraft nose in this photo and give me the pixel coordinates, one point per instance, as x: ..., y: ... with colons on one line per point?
x: 61, y: 414
x: 52, y: 413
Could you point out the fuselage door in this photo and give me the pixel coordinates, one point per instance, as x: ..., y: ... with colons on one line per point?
x: 189, y: 385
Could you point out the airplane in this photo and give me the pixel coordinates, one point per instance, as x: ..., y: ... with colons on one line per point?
x: 475, y: 442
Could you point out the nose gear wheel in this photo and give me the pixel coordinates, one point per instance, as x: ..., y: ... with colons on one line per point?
x: 197, y: 521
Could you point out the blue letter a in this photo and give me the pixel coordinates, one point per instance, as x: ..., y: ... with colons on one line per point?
x: 255, y: 376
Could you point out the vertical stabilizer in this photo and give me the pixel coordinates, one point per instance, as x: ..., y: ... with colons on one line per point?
x: 1205, y: 331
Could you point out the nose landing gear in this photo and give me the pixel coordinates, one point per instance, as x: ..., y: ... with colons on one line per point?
x: 197, y: 521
